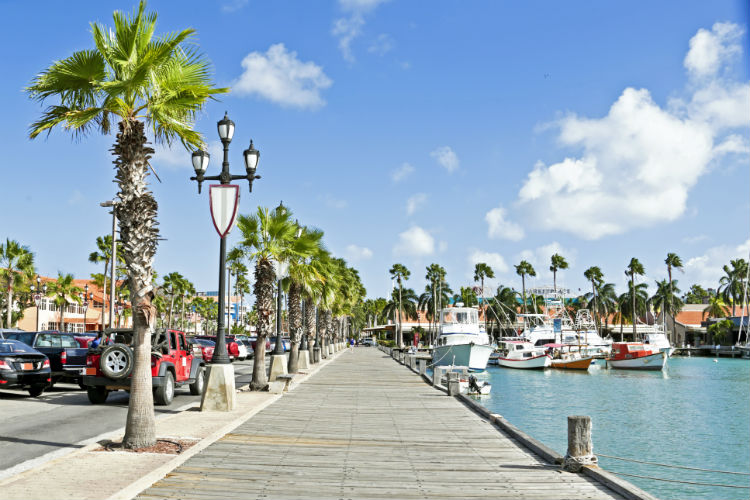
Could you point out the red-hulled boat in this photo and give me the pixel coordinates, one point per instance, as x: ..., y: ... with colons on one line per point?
x: 636, y: 356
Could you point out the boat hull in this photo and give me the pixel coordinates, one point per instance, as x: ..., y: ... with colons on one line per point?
x: 651, y: 362
x: 475, y: 356
x: 535, y: 363
x: 575, y: 364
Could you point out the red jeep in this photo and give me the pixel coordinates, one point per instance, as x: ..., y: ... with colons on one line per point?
x: 174, y: 362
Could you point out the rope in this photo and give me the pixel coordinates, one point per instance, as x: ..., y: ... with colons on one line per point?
x: 674, y: 466
x: 441, y: 357
x: 720, y: 485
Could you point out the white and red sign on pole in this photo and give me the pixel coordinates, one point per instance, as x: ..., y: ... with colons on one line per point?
x: 225, y: 202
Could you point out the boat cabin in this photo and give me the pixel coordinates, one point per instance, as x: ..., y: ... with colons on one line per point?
x: 631, y: 350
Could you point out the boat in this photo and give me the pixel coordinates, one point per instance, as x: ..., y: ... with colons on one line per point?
x: 658, y: 339
x: 565, y: 358
x: 523, y: 355
x: 460, y: 341
x: 636, y: 356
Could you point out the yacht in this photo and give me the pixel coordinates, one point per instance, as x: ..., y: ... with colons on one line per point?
x: 523, y: 355
x: 460, y: 342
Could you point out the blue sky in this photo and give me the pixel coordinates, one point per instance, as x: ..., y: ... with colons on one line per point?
x: 458, y: 133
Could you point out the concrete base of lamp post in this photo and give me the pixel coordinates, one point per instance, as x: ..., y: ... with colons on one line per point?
x: 219, y: 394
x: 278, y: 366
x: 316, y: 354
x: 303, y: 363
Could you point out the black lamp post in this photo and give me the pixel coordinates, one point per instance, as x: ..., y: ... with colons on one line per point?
x: 86, y: 298
x: 38, y: 297
x: 200, y: 160
x: 316, y: 349
x: 279, y: 348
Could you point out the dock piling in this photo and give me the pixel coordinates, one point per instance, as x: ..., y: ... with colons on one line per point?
x: 580, y: 445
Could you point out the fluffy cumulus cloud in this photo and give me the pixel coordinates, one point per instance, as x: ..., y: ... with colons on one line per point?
x: 350, y: 27
x: 492, y: 259
x: 356, y: 253
x: 402, y: 172
x: 415, y: 202
x: 446, y: 157
x: 414, y: 242
x: 176, y: 157
x: 706, y: 269
x: 498, y: 225
x: 279, y: 76
x: 540, y: 259
x: 639, y: 162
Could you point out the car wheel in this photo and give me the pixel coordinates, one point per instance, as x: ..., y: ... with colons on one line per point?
x: 197, y: 387
x: 164, y: 394
x: 116, y: 361
x: 97, y: 395
x: 36, y: 390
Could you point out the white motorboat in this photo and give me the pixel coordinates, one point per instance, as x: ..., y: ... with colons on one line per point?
x: 523, y: 355
x: 636, y: 356
x: 460, y: 342
x: 656, y: 338
x: 556, y: 327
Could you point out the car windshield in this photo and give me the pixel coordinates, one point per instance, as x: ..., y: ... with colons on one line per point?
x: 13, y: 346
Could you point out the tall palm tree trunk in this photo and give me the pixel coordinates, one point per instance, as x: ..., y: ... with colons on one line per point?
x: 9, y: 312
x: 265, y: 279
x: 171, y: 307
x: 523, y: 285
x: 593, y: 294
x: 400, y: 318
x: 671, y: 306
x: 136, y: 212
x: 295, y: 326
x: 309, y: 323
x: 182, y: 315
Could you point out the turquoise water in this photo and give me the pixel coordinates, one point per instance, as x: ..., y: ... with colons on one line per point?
x: 696, y: 413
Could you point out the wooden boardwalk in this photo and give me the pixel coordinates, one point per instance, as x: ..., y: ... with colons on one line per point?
x: 367, y: 427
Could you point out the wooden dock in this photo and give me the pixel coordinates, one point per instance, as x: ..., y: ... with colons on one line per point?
x: 367, y: 427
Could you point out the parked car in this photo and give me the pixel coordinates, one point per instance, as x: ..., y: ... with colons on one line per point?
x: 248, y: 344
x: 84, y: 339
x: 368, y: 342
x: 66, y: 356
x: 233, y: 348
x: 23, y: 366
x: 285, y: 341
x: 207, y: 348
x: 253, y: 340
x: 174, y: 362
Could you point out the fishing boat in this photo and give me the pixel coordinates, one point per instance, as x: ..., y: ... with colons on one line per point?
x: 636, y: 356
x: 460, y: 341
x: 565, y: 358
x: 523, y: 355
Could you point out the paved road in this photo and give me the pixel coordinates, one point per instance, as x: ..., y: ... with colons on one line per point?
x: 62, y: 418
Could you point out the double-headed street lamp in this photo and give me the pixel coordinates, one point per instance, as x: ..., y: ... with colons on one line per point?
x: 39, y: 291
x: 85, y: 296
x: 200, y: 160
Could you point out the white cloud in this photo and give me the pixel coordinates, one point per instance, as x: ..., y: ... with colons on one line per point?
x: 415, y: 202
x: 402, y: 172
x: 336, y: 203
x: 446, y: 157
x: 706, y: 269
x: 709, y: 50
x: 347, y: 29
x: 233, y: 5
x: 279, y: 76
x: 381, y: 45
x: 492, y: 259
x: 639, y: 162
x: 540, y: 259
x: 499, y: 227
x: 415, y: 242
x: 357, y: 253
x: 177, y: 157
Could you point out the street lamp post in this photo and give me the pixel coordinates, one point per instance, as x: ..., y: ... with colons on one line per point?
x: 38, y: 297
x: 120, y: 307
x: 200, y: 161
x: 86, y: 298
x: 316, y: 349
x: 112, y: 265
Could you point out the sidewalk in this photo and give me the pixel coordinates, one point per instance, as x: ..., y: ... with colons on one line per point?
x: 366, y: 427
x: 87, y: 474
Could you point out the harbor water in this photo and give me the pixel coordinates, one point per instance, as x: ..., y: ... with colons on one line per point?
x: 696, y: 413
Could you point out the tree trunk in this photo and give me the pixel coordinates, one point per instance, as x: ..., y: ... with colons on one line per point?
x: 182, y: 315
x: 295, y: 325
x: 136, y: 212
x: 9, y: 316
x: 265, y: 279
x: 400, y: 318
x: 171, y: 307
x: 632, y: 291
x: 523, y: 285
x: 61, y: 326
x: 309, y: 323
x: 671, y: 306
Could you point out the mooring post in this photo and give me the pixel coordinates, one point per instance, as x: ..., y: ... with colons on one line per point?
x: 580, y: 445
x: 422, y: 366
x: 453, y: 384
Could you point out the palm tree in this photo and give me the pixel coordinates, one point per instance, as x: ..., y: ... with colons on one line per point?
x: 732, y: 283
x: 632, y: 302
x: 268, y: 236
x: 188, y: 291
x: 482, y: 271
x: 505, y: 306
x: 104, y: 254
x: 607, y: 301
x: 435, y: 276
x: 64, y: 292
x: 524, y: 269
x: 715, y: 308
x: 467, y: 295
x: 403, y: 302
x: 303, y: 278
x: 558, y: 262
x: 400, y: 273
x: 140, y: 79
x: 633, y: 269
x: 172, y: 285
x: 695, y: 295
x: 672, y: 261
x: 16, y: 267
x: 596, y: 277
x: 665, y: 299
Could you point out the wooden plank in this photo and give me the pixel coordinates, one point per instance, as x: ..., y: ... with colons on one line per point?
x: 366, y: 427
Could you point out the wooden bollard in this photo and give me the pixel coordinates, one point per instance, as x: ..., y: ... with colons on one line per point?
x: 580, y: 445
x: 453, y: 384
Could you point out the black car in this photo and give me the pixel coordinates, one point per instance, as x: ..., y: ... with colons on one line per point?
x: 23, y: 366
